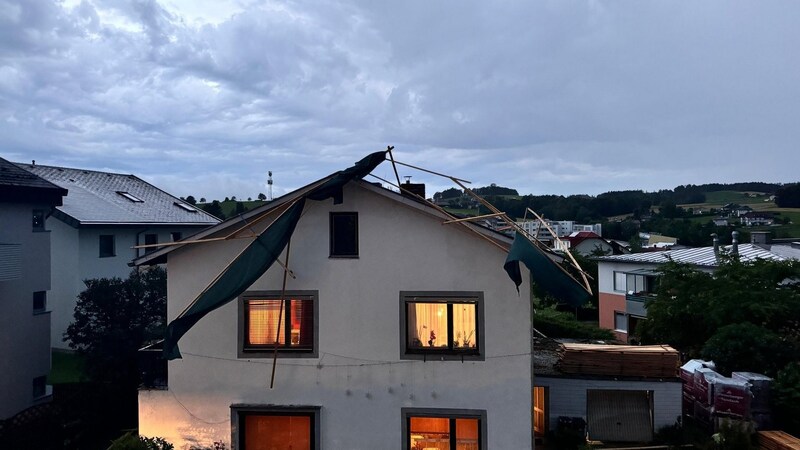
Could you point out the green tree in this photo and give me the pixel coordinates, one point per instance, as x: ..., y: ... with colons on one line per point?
x: 215, y: 209
x: 786, y: 398
x: 262, y: 197
x: 114, y: 318
x: 746, y: 347
x: 191, y: 200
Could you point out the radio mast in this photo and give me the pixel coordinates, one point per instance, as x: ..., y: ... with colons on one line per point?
x: 269, y: 185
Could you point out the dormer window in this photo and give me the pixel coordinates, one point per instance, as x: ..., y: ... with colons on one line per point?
x: 185, y: 207
x: 130, y: 197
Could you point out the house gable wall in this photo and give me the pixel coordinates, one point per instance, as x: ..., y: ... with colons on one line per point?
x: 359, y: 379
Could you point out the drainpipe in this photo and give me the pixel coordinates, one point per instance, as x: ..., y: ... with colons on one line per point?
x: 735, y: 243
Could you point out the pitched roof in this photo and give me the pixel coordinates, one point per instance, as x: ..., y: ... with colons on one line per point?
x: 701, y: 256
x: 115, y: 199
x: 579, y: 236
x: 17, y: 184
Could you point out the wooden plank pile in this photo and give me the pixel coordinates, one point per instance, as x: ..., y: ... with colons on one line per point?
x: 777, y: 440
x: 649, y: 361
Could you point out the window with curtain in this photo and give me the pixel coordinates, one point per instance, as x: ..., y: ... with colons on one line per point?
x: 443, y: 430
x: 276, y: 428
x: 441, y: 324
x: 268, y: 321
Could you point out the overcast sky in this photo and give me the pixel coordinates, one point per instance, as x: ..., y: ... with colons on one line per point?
x: 203, y: 97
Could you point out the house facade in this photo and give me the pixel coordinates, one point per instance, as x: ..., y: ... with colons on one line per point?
x: 26, y: 202
x: 93, y: 233
x: 396, y: 331
x: 626, y: 282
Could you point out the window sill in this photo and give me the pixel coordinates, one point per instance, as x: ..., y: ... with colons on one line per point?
x: 443, y: 356
x: 343, y: 257
x: 41, y: 312
x: 282, y: 353
x: 35, y: 230
x: 107, y: 256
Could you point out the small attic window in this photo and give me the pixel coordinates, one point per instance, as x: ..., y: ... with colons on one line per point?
x: 185, y: 207
x: 130, y: 197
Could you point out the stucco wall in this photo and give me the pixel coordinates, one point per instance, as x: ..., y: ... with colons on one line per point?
x: 567, y: 397
x: 76, y: 257
x: 359, y: 379
x: 25, y: 338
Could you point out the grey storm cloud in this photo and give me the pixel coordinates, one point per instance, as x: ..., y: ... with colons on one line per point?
x: 547, y: 96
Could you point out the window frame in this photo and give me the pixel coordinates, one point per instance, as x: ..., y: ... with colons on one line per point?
x: 269, y: 351
x: 449, y: 413
x: 113, y: 246
x: 240, y: 411
x: 150, y: 249
x: 624, y: 317
x: 443, y: 354
x: 624, y: 281
x: 331, y: 234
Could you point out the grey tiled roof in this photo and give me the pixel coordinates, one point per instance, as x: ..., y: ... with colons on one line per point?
x: 702, y: 256
x: 11, y: 175
x: 94, y: 199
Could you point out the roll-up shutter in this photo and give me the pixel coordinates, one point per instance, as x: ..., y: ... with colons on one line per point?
x: 619, y: 416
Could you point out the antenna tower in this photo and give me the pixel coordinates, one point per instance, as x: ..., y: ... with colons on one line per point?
x: 269, y: 185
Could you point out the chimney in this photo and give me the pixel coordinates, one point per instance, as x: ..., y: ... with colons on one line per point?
x: 735, y: 243
x: 414, y: 188
x: 716, y: 243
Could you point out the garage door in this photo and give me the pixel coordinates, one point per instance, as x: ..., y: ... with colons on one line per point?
x: 619, y: 416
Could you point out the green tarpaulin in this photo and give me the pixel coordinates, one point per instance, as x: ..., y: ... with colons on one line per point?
x: 257, y: 258
x: 544, y: 272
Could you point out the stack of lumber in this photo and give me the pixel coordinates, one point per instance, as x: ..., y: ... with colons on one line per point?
x: 777, y: 440
x: 650, y: 361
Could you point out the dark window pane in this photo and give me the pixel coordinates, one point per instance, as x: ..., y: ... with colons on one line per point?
x: 150, y: 239
x: 38, y: 219
x: 344, y: 234
x: 39, y: 301
x: 39, y: 387
x: 107, y: 245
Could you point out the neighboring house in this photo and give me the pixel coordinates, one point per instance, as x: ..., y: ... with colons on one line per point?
x: 588, y: 243
x: 720, y: 221
x: 26, y: 203
x: 397, y: 332
x: 102, y: 218
x: 625, y: 282
x: 752, y: 219
x: 620, y: 393
x: 562, y: 228
x: 656, y: 240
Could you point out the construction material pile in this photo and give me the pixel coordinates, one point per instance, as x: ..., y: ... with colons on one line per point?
x: 647, y: 361
x: 710, y: 398
x: 777, y: 440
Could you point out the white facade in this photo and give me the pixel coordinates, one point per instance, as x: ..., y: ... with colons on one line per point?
x: 560, y: 227
x: 360, y: 380
x: 567, y: 397
x: 76, y: 257
x: 25, y: 331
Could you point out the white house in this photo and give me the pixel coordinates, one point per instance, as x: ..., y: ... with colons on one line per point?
x: 626, y: 281
x: 102, y: 218
x: 26, y: 202
x: 397, y: 332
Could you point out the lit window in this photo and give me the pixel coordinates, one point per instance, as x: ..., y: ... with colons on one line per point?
x: 276, y: 428
x: 38, y: 220
x: 344, y: 234
x: 39, y: 301
x: 107, y: 249
x: 130, y: 197
x: 442, y: 324
x: 443, y: 429
x: 268, y: 322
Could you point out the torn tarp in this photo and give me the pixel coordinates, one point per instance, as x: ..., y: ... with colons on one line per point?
x: 257, y: 258
x: 544, y: 272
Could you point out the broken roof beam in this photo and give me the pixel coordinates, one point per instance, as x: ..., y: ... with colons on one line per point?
x: 469, y: 219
